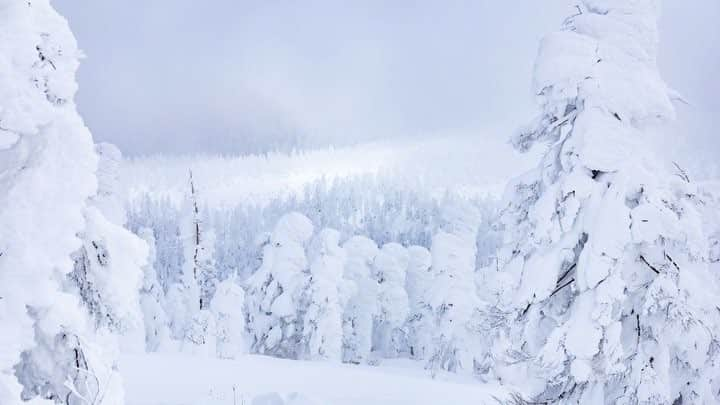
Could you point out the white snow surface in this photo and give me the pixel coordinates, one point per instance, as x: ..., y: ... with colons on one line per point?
x: 163, y: 379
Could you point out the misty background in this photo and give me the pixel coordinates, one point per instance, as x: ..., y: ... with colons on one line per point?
x: 234, y: 77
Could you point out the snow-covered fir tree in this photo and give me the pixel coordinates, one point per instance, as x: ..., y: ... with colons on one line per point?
x: 152, y: 299
x: 349, y: 205
x: 453, y: 298
x: 326, y: 296
x: 614, y: 300
x: 189, y: 299
x: 108, y: 268
x: 420, y: 323
x: 390, y: 269
x: 362, y: 305
x: 275, y: 295
x: 228, y: 307
x: 199, y: 242
x: 49, y: 352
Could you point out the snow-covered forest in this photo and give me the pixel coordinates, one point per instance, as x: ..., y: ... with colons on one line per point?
x: 575, y: 261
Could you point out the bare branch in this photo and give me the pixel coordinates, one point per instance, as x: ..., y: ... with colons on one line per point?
x: 561, y: 287
x: 681, y: 173
x: 649, y: 265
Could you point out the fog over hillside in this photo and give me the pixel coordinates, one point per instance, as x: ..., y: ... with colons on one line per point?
x: 180, y: 76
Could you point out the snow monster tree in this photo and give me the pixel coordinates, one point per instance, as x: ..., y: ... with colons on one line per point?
x: 614, y: 300
x: 50, y: 351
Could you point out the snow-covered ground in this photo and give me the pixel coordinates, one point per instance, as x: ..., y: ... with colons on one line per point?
x: 158, y: 379
x: 473, y: 164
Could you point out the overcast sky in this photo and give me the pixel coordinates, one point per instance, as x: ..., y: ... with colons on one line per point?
x: 179, y: 76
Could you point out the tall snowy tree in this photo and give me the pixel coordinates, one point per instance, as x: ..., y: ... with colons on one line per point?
x: 390, y: 269
x: 325, y: 298
x: 275, y: 300
x: 199, y: 242
x: 48, y: 347
x: 108, y: 268
x: 152, y: 299
x: 614, y: 301
x: 189, y: 299
x: 420, y: 319
x: 452, y: 296
x: 362, y: 305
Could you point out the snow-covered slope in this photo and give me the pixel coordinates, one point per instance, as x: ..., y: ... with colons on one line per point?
x: 157, y: 379
x: 473, y: 164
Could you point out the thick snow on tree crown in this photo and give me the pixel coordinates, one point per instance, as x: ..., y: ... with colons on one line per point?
x: 607, y: 249
x: 599, y: 74
x: 47, y: 175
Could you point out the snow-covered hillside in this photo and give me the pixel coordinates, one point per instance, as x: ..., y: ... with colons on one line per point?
x: 159, y: 379
x: 473, y: 164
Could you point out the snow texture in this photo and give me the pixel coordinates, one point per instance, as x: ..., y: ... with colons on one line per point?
x: 614, y: 295
x: 275, y: 291
x: 49, y: 348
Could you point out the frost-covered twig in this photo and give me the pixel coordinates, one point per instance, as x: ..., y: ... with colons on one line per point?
x: 561, y: 278
x: 649, y: 265
x: 561, y: 287
x: 667, y: 256
x: 681, y: 173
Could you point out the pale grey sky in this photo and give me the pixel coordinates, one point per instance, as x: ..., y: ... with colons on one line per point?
x: 180, y: 76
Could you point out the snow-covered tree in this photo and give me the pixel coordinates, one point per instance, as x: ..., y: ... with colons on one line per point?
x: 108, y: 198
x: 362, y: 305
x: 274, y: 300
x: 452, y: 295
x: 201, y: 335
x: 326, y: 294
x: 178, y: 309
x: 152, y: 299
x: 420, y: 319
x: 189, y: 299
x: 349, y: 205
x: 199, y: 243
x: 390, y: 269
x: 49, y: 349
x: 108, y: 276
x: 614, y: 301
x: 207, y: 275
x: 108, y: 268
x: 228, y: 307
